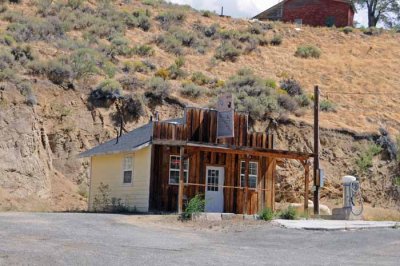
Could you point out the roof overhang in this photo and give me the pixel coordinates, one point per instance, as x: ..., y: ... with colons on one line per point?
x: 137, y: 148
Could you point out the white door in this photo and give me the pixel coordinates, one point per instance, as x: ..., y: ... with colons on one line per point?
x: 214, y: 190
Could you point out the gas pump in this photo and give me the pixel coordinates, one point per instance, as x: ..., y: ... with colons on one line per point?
x: 352, y: 197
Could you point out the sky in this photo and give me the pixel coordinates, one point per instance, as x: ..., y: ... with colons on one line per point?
x: 245, y: 8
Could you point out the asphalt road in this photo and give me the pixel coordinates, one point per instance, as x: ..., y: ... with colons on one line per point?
x: 100, y: 239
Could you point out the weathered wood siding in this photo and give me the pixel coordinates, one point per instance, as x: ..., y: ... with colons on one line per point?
x: 201, y: 127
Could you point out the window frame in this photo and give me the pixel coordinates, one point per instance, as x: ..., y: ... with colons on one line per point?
x: 125, y: 169
x: 178, y: 170
x: 250, y: 175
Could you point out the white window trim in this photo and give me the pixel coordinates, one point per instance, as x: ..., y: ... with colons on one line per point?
x: 177, y: 169
x: 240, y: 175
x: 131, y: 169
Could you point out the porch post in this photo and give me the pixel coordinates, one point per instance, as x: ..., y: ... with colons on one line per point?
x: 246, y: 188
x: 306, y: 184
x: 181, y: 180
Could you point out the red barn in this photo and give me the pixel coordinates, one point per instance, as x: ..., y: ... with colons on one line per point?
x: 339, y: 13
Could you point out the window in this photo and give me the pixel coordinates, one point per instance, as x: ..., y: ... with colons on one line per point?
x: 212, y: 180
x: 174, y: 167
x: 253, y: 173
x: 298, y: 22
x: 128, y: 170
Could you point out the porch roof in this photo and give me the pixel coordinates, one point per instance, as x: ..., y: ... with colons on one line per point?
x: 232, y: 149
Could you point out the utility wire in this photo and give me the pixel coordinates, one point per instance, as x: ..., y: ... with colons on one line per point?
x: 360, y: 93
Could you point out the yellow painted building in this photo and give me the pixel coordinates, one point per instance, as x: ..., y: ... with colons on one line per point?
x: 127, y: 176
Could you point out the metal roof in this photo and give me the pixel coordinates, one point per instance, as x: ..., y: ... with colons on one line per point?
x: 134, y: 140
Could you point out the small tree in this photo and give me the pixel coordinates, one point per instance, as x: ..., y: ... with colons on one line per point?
x: 387, y: 11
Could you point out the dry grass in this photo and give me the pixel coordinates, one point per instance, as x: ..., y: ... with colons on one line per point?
x: 381, y: 214
x: 352, y: 63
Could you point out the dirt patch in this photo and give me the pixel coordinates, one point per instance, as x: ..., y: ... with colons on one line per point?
x: 172, y: 222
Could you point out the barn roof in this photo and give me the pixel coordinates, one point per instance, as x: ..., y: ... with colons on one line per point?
x: 134, y: 140
x: 273, y: 13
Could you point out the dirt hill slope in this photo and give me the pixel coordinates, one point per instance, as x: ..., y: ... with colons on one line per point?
x: 54, y: 54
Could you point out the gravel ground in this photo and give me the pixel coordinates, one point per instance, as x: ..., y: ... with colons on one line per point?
x: 103, y: 239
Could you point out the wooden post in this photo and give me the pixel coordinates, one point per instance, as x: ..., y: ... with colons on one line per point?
x: 270, y: 181
x: 306, y: 184
x: 316, y: 150
x: 261, y: 183
x: 246, y: 188
x: 181, y: 180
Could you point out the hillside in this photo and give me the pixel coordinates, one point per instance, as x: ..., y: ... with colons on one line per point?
x: 63, y: 64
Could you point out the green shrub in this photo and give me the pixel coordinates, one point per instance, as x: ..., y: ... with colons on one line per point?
x: 227, y: 52
x: 43, y: 6
x: 176, y: 72
x: 152, y: 3
x: 210, y: 31
x: 170, y: 44
x: 397, y: 181
x: 288, y: 214
x: 162, y: 73
x: 58, y: 72
x: 102, y: 198
x: 36, y: 29
x: 271, y: 83
x: 200, y: 79
x: 347, y: 29
x: 75, y: 4
x: 22, y: 54
x: 291, y: 86
x: 308, y: 51
x: 255, y: 28
x: 303, y: 100
x: 133, y: 107
x: 195, y: 205
x: 372, y: 31
x: 6, y: 59
x: 138, y: 19
x: 121, y: 46
x: 327, y: 106
x: 7, y: 39
x: 143, y: 50
x: 288, y: 103
x: 157, y: 89
x: 207, y: 13
x: 191, y: 90
x: 276, y: 40
x: 267, y: 214
x: 105, y: 93
x: 186, y: 38
x: 252, y: 95
x: 170, y: 17
x: 140, y: 66
x: 36, y: 68
x: 130, y: 83
x: 398, y: 148
x: 364, y: 161
x: 25, y: 88
x: 85, y: 62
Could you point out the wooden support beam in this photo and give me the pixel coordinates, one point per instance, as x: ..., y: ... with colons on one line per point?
x: 261, y: 184
x: 181, y: 180
x: 306, y: 165
x: 270, y: 189
x: 276, y: 154
x: 246, y: 187
x: 316, y: 150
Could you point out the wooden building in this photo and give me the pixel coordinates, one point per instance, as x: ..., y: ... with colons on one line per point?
x: 339, y: 13
x: 236, y: 175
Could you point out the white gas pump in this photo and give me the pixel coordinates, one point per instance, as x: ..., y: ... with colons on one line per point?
x: 352, y: 198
